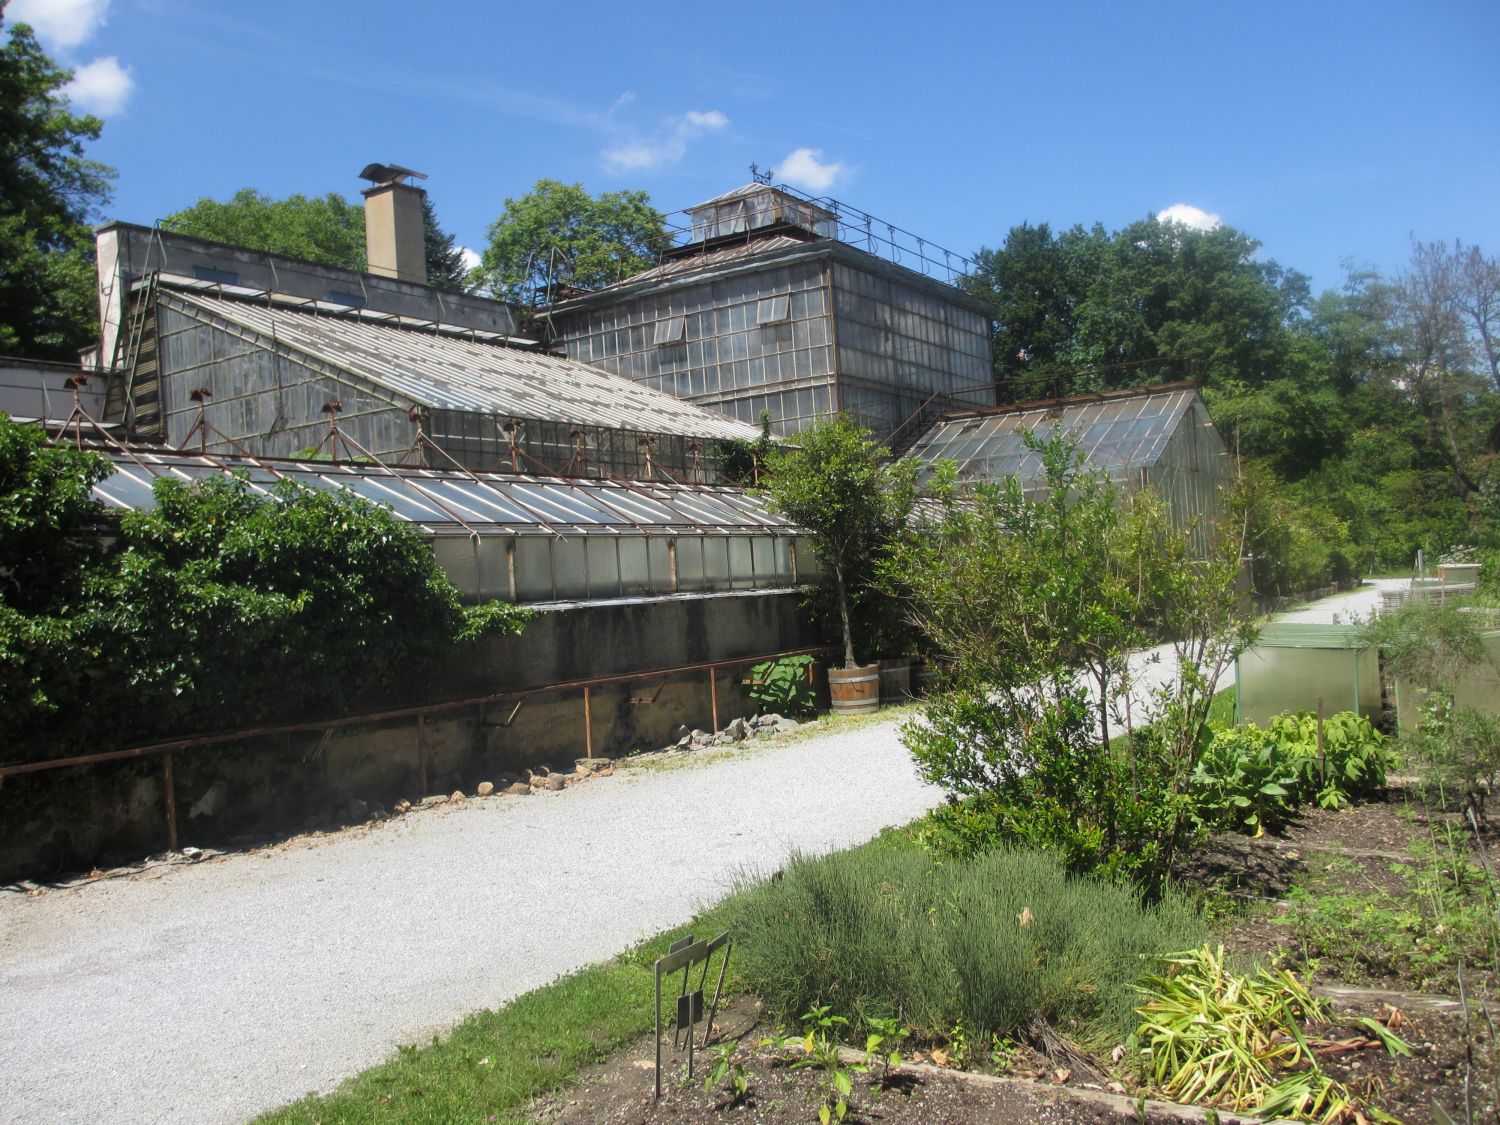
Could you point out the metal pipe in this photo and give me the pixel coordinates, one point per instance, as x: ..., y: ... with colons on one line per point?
x: 588, y: 725
x: 170, y: 789
x: 713, y: 698
x: 422, y: 750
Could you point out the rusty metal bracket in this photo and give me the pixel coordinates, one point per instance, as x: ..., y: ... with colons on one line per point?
x: 654, y: 696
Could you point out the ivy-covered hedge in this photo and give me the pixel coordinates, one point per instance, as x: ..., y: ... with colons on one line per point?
x: 218, y: 609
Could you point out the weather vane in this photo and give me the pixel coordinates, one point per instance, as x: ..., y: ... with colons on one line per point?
x: 761, y: 177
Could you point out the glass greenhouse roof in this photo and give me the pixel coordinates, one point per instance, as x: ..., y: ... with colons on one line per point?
x: 1117, y: 433
x: 452, y: 502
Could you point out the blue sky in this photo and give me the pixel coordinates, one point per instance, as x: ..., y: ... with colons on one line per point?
x: 1325, y: 130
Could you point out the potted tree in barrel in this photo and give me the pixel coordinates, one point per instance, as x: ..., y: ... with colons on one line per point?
x: 835, y: 484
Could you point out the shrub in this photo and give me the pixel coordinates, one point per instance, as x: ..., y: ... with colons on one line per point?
x: 1033, y: 600
x: 992, y: 943
x: 782, y: 686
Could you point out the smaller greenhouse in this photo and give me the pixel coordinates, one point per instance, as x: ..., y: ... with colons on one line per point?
x: 530, y: 539
x: 1154, y: 437
x: 1293, y: 666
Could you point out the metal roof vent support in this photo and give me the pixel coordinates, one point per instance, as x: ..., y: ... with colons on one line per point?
x: 394, y: 233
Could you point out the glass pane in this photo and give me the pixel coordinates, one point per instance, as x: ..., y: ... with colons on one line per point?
x: 604, y: 567
x: 570, y: 568
x: 461, y: 564
x: 534, y: 569
x: 635, y: 577
x: 661, y: 571
x: 716, y: 563
x: 1272, y: 680
x: 741, y: 564
x: 783, y: 552
x: 689, y: 563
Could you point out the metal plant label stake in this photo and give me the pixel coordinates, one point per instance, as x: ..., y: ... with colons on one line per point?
x: 684, y: 954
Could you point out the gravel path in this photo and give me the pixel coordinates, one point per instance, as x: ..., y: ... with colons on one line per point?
x: 211, y: 992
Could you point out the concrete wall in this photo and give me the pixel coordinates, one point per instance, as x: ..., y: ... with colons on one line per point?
x: 71, y: 819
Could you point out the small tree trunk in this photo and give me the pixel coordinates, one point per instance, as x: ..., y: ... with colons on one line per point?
x: 838, y: 579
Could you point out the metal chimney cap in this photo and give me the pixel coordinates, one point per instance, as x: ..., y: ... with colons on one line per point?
x: 388, y: 173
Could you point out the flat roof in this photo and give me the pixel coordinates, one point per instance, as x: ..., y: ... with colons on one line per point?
x: 1311, y: 634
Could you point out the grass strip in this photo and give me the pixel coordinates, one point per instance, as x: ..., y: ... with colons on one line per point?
x: 495, y: 1063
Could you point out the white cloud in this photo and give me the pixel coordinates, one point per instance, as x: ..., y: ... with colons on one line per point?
x: 804, y: 167
x: 469, y: 258
x: 1190, y: 216
x: 102, y: 86
x: 60, y: 24
x: 668, y: 146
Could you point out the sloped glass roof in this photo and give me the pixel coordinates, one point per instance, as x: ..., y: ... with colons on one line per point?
x: 1116, y: 434
x: 445, y: 502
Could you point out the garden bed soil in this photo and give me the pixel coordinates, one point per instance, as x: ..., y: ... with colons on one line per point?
x: 619, y: 1091
x: 1364, y: 854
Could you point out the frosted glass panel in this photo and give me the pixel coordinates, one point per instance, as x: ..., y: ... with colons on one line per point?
x: 661, y: 569
x: 1273, y: 680
x: 533, y: 569
x: 716, y: 563
x: 689, y: 564
x: 604, y: 567
x: 635, y: 576
x: 570, y: 570
x: 741, y: 564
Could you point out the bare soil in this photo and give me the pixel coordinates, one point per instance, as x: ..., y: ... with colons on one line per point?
x: 620, y: 1091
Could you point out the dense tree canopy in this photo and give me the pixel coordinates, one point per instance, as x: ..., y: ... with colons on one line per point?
x: 327, y: 229
x: 559, y: 235
x: 48, y: 192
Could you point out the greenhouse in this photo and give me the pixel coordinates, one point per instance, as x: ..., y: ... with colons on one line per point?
x: 534, y: 539
x: 1159, y: 437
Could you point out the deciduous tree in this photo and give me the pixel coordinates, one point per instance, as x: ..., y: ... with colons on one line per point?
x: 559, y: 235
x: 48, y: 192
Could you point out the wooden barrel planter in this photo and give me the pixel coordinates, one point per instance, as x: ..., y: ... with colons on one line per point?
x: 854, y: 691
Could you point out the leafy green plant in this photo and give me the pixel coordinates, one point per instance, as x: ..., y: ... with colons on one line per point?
x: 1256, y: 779
x: 782, y: 686
x: 882, y: 1044
x: 727, y: 1069
x: 820, y: 1030
x: 1034, y: 600
x: 834, y: 485
x: 1214, y: 1037
x: 331, y: 601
